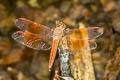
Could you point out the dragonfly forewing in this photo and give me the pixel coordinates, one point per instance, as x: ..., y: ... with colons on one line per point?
x: 27, y: 25
x: 35, y: 41
x: 92, y: 32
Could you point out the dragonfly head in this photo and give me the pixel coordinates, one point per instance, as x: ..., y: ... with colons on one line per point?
x: 60, y: 24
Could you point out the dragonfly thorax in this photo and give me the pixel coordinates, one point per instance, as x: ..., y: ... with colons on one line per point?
x: 59, y: 30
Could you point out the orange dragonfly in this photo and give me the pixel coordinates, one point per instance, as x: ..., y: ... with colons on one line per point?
x: 41, y: 37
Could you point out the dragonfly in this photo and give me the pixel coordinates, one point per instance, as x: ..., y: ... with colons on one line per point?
x: 41, y: 37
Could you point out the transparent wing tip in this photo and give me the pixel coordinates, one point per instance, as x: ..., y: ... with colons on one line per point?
x: 96, y: 32
x: 17, y: 34
x: 21, y: 23
x: 93, y: 44
x: 18, y: 20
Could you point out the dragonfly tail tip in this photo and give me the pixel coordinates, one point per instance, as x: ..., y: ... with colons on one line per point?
x: 49, y: 68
